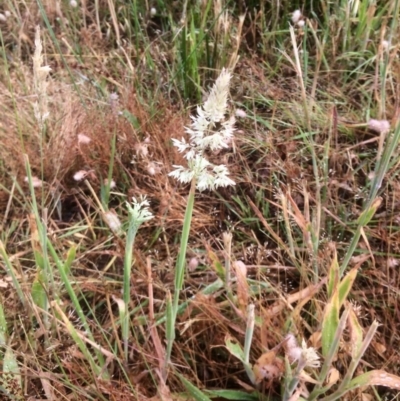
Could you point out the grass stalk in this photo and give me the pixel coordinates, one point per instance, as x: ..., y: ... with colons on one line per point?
x: 128, y: 260
x: 180, y: 268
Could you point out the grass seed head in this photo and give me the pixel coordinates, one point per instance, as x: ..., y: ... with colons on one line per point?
x: 36, y: 182
x: 139, y: 210
x: 40, y: 73
x: 83, y: 139
x: 296, y: 15
x: 304, y: 356
x: 204, y: 135
x: 193, y: 264
x: 385, y: 44
x: 153, y: 168
x: 379, y: 126
x: 80, y: 175
x: 112, y: 183
x: 112, y: 221
x: 309, y: 357
x: 240, y: 113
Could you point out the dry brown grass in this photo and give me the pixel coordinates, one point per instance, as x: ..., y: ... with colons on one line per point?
x: 273, y: 176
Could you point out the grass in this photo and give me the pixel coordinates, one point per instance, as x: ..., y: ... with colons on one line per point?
x: 211, y: 297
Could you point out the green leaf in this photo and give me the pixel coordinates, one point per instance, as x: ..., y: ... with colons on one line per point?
x: 216, y: 264
x: 333, y: 275
x: 11, y: 272
x: 131, y: 118
x: 70, y: 258
x: 213, y: 287
x: 356, y: 334
x: 368, y: 214
x: 10, y: 365
x: 330, y: 322
x: 288, y: 376
x: 3, y: 327
x: 235, y: 349
x: 38, y: 291
x: 375, y: 378
x: 197, y: 394
x: 39, y: 259
x: 81, y: 344
x: 170, y: 333
x: 235, y: 395
x: 346, y: 284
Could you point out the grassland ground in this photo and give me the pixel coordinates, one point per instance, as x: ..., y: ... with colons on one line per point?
x: 305, y: 245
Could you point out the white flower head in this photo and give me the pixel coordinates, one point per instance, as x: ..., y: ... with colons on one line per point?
x: 193, y: 264
x: 112, y: 221
x: 44, y: 70
x: 309, y: 356
x: 209, y: 130
x: 217, y: 101
x: 153, y: 168
x: 73, y: 3
x: 392, y: 263
x: 112, y: 183
x: 221, y: 177
x: 153, y: 11
x: 83, y: 139
x: 293, y: 351
x: 379, y: 126
x: 36, y: 182
x: 296, y: 15
x: 304, y: 356
x: 113, y: 97
x: 385, y: 44
x: 139, y: 210
x: 240, y: 113
x: 142, y: 149
x: 181, y: 145
x: 80, y: 175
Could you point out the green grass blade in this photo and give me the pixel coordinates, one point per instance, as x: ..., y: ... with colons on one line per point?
x: 10, y: 271
x: 197, y: 394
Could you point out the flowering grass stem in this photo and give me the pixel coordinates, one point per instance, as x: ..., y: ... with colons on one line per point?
x: 209, y: 131
x: 180, y: 271
x: 138, y: 214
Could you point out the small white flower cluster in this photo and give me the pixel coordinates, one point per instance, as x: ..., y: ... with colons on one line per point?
x: 83, y: 139
x: 113, y: 221
x: 298, y: 19
x: 304, y: 356
x: 80, y: 175
x: 112, y: 183
x: 385, y: 45
x: 36, y: 182
x: 139, y: 210
x: 4, y: 16
x: 40, y: 75
x: 379, y: 126
x: 204, y: 134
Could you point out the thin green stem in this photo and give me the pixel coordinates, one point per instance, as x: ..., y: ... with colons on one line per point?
x: 180, y: 270
x: 130, y: 240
